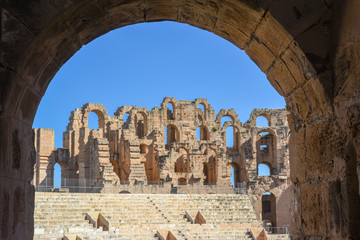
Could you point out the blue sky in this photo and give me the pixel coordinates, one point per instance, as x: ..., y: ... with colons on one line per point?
x: 143, y: 63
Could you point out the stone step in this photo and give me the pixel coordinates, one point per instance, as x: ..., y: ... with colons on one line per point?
x: 138, y: 216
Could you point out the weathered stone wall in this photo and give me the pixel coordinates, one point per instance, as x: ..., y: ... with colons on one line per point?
x: 308, y: 50
x: 161, y: 147
x: 276, y: 156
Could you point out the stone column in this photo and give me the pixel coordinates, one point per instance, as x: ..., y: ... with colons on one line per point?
x: 44, y: 145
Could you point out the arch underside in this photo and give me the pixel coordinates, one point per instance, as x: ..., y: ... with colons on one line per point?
x: 248, y: 27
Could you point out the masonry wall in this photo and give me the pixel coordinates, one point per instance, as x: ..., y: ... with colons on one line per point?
x: 160, y: 147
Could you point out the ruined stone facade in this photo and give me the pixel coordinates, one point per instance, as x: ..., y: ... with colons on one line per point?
x: 180, y: 146
x: 309, y: 51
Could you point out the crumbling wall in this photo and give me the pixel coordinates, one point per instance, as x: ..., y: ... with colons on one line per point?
x: 161, y: 147
x: 269, y: 145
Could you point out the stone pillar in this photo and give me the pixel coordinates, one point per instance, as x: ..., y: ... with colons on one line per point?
x: 44, y: 145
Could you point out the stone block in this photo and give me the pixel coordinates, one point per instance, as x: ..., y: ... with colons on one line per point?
x: 240, y: 15
x: 160, y: 10
x: 261, y: 55
x: 281, y: 79
x: 206, y: 15
x: 280, y: 40
x: 231, y: 33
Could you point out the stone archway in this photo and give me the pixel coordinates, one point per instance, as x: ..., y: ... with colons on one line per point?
x: 38, y: 38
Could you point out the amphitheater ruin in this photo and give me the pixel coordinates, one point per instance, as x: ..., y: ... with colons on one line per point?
x: 309, y: 51
x: 178, y: 148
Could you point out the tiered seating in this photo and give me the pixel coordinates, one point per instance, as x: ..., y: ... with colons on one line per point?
x: 131, y: 209
x: 220, y: 208
x: 209, y: 231
x: 216, y: 209
x: 56, y: 216
x: 277, y: 237
x: 140, y: 216
x: 173, y: 206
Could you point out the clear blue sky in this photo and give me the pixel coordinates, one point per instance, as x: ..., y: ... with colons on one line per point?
x: 143, y: 63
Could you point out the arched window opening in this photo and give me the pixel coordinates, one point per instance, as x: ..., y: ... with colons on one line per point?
x: 225, y: 119
x: 151, y: 165
x: 198, y: 133
x: 230, y: 137
x: 202, y: 108
x: 210, y: 168
x: 171, y: 135
x: 202, y: 134
x: 266, y: 150
x: 170, y: 111
x: 140, y: 125
x: 235, y: 175
x: 263, y: 170
x: 262, y: 121
x: 206, y: 173
x: 93, y: 120
x: 182, y: 164
x: 268, y: 201
x: 57, y: 175
x: 126, y: 118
